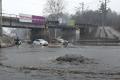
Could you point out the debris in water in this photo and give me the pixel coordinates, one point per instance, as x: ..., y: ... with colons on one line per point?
x: 75, y: 58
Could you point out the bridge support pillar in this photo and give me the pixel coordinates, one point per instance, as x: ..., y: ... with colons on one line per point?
x: 69, y: 34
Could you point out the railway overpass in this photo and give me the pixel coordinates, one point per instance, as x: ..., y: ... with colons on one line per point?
x: 13, y: 21
x: 86, y: 30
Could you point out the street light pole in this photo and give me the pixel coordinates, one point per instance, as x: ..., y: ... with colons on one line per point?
x: 0, y: 17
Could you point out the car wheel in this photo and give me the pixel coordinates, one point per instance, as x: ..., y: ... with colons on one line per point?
x: 40, y: 43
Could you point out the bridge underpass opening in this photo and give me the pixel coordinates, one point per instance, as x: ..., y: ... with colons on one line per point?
x: 21, y: 33
x: 28, y: 33
x: 40, y: 33
x: 87, y: 33
x: 24, y: 34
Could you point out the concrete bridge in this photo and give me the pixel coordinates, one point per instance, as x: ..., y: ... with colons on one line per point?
x: 12, y: 21
x: 39, y: 31
x: 86, y: 31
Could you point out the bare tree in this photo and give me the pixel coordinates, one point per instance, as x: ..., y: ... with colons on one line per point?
x: 54, y: 7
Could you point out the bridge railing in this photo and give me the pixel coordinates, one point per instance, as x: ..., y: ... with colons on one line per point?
x: 12, y: 20
x: 10, y: 15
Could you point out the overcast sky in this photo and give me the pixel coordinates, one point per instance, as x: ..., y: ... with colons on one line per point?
x: 35, y: 7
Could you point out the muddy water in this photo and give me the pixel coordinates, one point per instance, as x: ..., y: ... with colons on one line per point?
x: 108, y: 58
x: 35, y: 56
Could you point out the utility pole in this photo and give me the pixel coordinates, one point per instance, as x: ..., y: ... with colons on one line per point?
x: 104, y: 12
x: 0, y: 17
x: 82, y: 6
x: 105, y: 4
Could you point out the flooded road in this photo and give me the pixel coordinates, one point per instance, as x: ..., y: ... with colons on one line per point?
x: 27, y: 56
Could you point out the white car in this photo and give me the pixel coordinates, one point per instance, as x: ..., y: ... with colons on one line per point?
x: 61, y: 40
x: 41, y: 42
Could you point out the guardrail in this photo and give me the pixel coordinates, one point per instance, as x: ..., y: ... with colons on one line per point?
x: 10, y: 15
x: 107, y: 41
x: 99, y: 42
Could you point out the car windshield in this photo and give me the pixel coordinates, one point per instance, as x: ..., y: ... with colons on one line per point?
x: 59, y: 39
x: 41, y: 40
x: 37, y: 40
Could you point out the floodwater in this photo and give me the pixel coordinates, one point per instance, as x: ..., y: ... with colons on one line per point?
x: 42, y: 59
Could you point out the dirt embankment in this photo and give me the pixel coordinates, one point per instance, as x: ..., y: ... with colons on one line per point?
x: 6, y: 41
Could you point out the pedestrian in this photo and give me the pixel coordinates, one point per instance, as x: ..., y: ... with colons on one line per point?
x: 65, y: 44
x: 17, y: 42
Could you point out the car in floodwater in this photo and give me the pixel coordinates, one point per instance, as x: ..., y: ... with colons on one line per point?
x: 60, y: 40
x: 41, y: 42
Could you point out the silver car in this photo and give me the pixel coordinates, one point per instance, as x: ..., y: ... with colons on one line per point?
x: 41, y: 42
